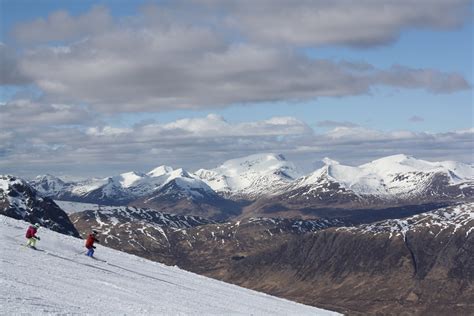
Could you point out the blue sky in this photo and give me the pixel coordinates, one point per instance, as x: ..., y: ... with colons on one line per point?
x: 408, y: 70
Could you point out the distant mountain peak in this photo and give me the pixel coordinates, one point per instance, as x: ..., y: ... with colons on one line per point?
x: 328, y: 161
x: 250, y: 176
x: 159, y: 171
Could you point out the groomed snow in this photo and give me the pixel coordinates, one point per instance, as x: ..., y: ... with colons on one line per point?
x: 63, y: 280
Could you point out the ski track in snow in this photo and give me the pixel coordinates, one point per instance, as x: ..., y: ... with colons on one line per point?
x: 61, y: 279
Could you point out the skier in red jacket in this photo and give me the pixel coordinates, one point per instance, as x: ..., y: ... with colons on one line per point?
x: 90, y: 243
x: 31, y: 235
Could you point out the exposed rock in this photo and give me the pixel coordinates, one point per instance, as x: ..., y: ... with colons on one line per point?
x: 20, y: 201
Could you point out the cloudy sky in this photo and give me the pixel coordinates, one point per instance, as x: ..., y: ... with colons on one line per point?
x: 104, y: 87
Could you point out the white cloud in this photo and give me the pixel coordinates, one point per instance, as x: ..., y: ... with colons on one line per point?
x: 107, y: 131
x: 149, y: 65
x: 62, y: 26
x: 329, y: 124
x: 149, y: 78
x: 167, y: 59
x: 341, y: 22
x: 194, y: 143
x: 10, y: 73
x: 24, y: 113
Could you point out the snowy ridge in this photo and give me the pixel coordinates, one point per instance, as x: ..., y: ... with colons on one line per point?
x: 397, y: 176
x: 10, y: 193
x: 250, y: 176
x: 48, y: 184
x: 393, y: 178
x: 125, y: 187
x: 21, y: 201
x: 449, y: 219
x: 65, y: 281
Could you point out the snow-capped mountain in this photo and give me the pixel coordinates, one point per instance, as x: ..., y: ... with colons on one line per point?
x: 186, y: 196
x: 390, y: 181
x: 59, y: 279
x: 48, y: 185
x: 272, y: 184
x: 398, y: 176
x: 124, y: 188
x: 21, y: 201
x: 250, y: 177
x: 111, y: 190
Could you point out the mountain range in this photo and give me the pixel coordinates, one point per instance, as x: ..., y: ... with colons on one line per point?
x: 269, y: 185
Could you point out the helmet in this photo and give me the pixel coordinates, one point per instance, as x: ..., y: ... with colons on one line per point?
x: 37, y: 225
x: 94, y: 232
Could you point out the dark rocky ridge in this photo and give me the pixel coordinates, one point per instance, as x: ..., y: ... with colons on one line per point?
x: 172, y: 198
x: 21, y: 201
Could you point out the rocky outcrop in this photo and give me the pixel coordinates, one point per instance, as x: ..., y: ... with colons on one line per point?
x: 198, y: 201
x: 20, y: 201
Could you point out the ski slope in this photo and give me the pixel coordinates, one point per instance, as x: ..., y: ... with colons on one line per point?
x: 61, y: 279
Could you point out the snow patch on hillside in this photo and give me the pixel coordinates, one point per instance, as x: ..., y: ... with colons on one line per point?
x: 451, y: 218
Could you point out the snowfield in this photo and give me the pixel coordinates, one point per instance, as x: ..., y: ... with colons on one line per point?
x: 61, y: 279
x: 75, y: 207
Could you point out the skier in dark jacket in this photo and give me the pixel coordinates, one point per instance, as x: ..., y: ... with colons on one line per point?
x: 90, y: 243
x: 31, y: 235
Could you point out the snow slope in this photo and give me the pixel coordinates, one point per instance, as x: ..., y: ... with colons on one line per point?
x: 61, y: 279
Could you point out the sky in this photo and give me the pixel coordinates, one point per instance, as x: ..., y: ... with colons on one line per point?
x: 97, y: 88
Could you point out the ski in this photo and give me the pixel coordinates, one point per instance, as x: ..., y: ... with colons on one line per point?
x: 101, y: 260
x: 30, y: 247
